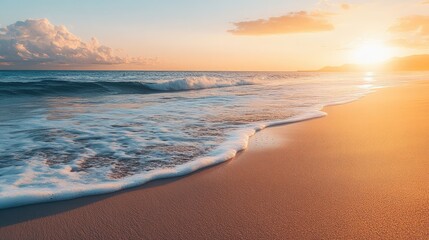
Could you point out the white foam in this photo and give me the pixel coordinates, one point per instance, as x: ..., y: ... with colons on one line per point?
x: 64, y: 148
x: 194, y: 83
x: 13, y: 196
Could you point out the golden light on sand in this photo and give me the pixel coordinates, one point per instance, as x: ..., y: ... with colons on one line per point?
x: 371, y: 52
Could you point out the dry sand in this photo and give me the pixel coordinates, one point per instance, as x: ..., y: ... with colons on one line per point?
x: 362, y: 172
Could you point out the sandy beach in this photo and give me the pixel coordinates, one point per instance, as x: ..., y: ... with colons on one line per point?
x: 362, y: 172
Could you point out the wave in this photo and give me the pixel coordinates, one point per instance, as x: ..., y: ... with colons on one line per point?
x: 237, y: 141
x: 196, y: 83
x: 60, y: 87
x: 55, y: 87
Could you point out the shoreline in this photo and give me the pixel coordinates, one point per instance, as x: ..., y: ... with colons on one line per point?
x: 177, y: 172
x: 224, y: 195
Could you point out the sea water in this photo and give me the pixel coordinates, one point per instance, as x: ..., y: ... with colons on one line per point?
x: 66, y: 134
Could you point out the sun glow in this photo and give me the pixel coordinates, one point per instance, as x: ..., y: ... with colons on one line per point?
x: 371, y: 52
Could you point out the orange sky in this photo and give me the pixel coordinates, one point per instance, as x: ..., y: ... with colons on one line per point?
x: 266, y: 35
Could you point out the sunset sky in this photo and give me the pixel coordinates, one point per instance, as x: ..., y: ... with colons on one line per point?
x: 208, y: 35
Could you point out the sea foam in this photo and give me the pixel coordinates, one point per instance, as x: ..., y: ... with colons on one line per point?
x: 73, y: 134
x: 203, y: 82
x: 236, y: 142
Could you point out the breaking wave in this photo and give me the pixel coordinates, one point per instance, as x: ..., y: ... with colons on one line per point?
x: 60, y: 87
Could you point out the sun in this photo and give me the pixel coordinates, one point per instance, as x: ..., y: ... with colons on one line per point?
x: 371, y: 52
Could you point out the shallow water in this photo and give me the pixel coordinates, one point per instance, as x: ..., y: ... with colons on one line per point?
x: 66, y: 134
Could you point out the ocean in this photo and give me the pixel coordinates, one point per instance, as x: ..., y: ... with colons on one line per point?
x: 66, y: 134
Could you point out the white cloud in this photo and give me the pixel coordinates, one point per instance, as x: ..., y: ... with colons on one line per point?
x: 38, y: 42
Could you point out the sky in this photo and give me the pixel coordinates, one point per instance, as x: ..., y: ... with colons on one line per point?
x: 263, y: 35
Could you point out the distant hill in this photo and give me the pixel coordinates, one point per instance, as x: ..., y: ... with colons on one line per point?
x: 409, y: 63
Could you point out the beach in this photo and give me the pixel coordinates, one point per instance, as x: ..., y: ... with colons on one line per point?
x: 359, y: 173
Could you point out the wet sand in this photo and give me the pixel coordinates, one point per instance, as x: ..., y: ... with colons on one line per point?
x: 362, y: 172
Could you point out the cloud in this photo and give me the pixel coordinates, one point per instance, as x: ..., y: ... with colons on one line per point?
x: 38, y: 42
x: 294, y: 22
x: 411, y: 32
x: 345, y: 6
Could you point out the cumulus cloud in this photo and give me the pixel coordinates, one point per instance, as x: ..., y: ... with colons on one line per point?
x: 294, y: 22
x: 411, y: 31
x: 38, y: 42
